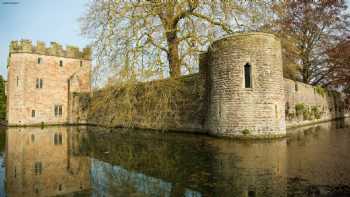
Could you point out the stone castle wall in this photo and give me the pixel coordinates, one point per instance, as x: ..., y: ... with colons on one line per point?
x: 55, y: 49
x: 163, y: 104
x: 105, y: 107
x: 29, y: 63
x: 307, y: 104
x: 235, y: 110
x: 215, y: 100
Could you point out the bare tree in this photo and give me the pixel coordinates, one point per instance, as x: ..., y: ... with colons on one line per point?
x: 154, y: 37
x: 312, y: 28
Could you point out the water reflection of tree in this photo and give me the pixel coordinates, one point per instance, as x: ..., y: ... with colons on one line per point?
x: 183, y: 161
x: 190, y: 162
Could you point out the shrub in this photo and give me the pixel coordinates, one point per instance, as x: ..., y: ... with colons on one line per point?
x: 300, y: 108
x: 320, y: 90
x: 315, y: 110
x: 307, y: 115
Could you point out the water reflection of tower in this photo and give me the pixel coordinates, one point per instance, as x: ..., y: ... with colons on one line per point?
x: 40, y: 161
x: 250, y: 168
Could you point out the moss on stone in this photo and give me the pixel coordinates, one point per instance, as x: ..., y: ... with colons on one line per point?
x: 320, y: 90
x: 246, y: 132
x: 316, y: 112
x: 300, y: 108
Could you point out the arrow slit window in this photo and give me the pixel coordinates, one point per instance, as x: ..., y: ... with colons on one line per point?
x: 247, y: 76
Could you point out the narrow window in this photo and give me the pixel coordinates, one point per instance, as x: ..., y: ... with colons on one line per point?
x: 56, y: 110
x: 61, y: 63
x: 37, y: 168
x: 60, y: 138
x: 39, y: 60
x: 39, y: 83
x: 33, y: 113
x: 60, y: 110
x: 59, y: 187
x: 296, y: 87
x: 81, y: 63
x: 17, y: 81
x: 55, y: 139
x: 247, y: 76
x: 33, y: 138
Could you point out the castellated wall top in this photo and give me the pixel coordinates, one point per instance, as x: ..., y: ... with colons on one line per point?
x: 26, y: 46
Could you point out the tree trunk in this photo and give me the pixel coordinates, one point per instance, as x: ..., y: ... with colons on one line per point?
x: 173, y: 54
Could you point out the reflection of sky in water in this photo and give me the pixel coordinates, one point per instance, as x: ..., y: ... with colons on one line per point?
x: 2, y: 175
x: 107, y: 179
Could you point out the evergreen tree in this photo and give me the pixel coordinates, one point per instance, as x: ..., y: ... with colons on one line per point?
x: 2, y: 99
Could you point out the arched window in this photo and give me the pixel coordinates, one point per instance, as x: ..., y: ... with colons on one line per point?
x: 247, y: 76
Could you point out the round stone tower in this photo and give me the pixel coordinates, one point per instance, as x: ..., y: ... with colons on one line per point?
x: 246, y: 96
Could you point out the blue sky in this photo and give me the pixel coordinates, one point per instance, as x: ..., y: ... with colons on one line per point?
x: 45, y: 20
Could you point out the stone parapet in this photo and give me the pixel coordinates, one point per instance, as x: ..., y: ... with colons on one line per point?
x: 55, y: 49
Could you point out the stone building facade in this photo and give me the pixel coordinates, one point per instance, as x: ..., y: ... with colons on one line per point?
x: 42, y: 81
x: 238, y: 92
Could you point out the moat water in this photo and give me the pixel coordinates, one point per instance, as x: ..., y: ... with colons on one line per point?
x: 90, y: 161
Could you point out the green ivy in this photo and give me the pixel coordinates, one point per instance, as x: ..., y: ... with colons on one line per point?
x: 320, y: 90
x: 245, y: 131
x: 316, y: 111
x: 300, y: 108
x: 2, y: 99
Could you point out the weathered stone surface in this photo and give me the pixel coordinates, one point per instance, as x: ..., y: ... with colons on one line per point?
x: 213, y: 101
x: 25, y: 46
x: 216, y: 101
x: 237, y: 111
x: 24, y: 96
x: 318, y: 104
x: 163, y: 104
